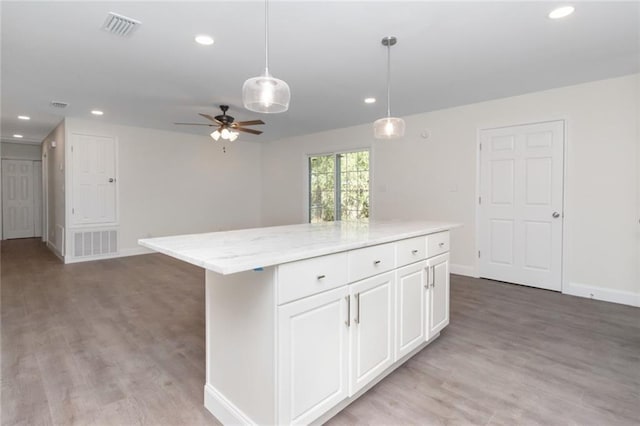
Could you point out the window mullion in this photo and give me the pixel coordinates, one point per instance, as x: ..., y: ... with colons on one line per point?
x: 338, y: 187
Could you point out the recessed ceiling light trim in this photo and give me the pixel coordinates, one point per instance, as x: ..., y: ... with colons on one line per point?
x: 561, y: 12
x: 24, y: 117
x: 204, y: 39
x: 18, y: 136
x: 97, y: 112
x: 369, y: 100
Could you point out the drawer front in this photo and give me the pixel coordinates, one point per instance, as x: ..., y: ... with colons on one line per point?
x: 369, y: 261
x: 437, y: 243
x: 310, y: 276
x: 411, y: 250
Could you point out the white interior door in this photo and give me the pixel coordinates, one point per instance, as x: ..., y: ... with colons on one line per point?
x: 17, y: 199
x: 520, y: 212
x: 94, y: 179
x: 37, y: 198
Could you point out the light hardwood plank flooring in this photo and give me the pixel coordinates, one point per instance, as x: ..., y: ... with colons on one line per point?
x: 121, y: 342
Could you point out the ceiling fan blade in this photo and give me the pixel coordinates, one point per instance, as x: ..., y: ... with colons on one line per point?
x: 197, y: 124
x: 208, y: 117
x: 249, y: 123
x: 253, y: 132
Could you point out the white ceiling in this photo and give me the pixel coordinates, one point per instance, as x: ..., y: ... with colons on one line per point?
x: 448, y: 53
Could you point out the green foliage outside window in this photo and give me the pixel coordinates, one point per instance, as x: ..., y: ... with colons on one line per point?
x: 339, y: 187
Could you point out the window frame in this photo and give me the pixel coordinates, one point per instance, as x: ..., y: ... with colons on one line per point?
x: 337, y: 180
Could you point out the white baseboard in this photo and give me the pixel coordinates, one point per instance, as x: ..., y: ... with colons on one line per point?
x: 121, y: 253
x: 55, y: 250
x: 466, y: 270
x: 223, y: 409
x: 602, y: 293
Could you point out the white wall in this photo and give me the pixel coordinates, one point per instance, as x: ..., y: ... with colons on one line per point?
x: 174, y: 183
x: 435, y: 178
x: 55, y: 159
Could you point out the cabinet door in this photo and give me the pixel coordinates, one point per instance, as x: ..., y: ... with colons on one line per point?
x: 438, y: 293
x: 313, y: 354
x: 372, y: 328
x: 411, y: 301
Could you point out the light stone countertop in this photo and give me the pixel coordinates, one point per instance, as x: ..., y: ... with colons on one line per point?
x: 241, y: 250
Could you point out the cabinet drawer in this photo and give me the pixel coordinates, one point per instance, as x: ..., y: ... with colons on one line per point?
x: 411, y: 250
x: 369, y: 261
x: 437, y: 243
x: 310, y: 276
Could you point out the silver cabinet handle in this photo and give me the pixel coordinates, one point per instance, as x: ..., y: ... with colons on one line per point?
x: 357, y: 318
x: 433, y: 276
x: 555, y: 215
x: 427, y: 282
x: 348, y: 321
x: 319, y: 277
x: 414, y: 251
x: 376, y: 262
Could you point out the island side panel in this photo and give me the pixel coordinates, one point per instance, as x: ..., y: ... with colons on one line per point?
x: 240, y: 344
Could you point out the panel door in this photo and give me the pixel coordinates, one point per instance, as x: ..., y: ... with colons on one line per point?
x: 313, y: 355
x: 372, y: 328
x: 17, y: 199
x: 94, y: 179
x: 438, y: 279
x: 520, y: 214
x: 37, y: 198
x: 411, y: 303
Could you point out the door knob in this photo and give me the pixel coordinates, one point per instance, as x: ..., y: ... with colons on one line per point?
x: 110, y: 180
x: 556, y: 215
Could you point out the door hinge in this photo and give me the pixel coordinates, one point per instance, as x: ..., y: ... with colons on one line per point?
x: 479, y: 200
x: 478, y: 254
x: 71, y: 148
x: 480, y: 147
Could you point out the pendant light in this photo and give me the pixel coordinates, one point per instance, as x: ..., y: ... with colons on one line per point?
x: 388, y: 127
x: 266, y: 94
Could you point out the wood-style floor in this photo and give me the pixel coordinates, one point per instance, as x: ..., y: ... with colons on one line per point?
x: 121, y: 342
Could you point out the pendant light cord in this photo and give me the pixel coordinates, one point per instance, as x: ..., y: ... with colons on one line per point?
x: 266, y: 37
x: 388, y: 80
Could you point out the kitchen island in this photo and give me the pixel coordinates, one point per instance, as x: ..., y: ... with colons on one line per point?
x: 303, y: 319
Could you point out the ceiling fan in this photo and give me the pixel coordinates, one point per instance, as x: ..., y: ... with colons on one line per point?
x: 227, y: 128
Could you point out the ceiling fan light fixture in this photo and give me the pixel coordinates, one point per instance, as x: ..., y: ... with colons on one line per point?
x: 266, y: 94
x: 233, y: 136
x: 388, y: 127
x: 215, y: 135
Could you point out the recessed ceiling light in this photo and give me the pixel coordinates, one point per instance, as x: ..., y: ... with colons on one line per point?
x: 204, y: 40
x: 369, y: 100
x: 97, y: 112
x: 24, y: 117
x: 18, y: 136
x: 561, y: 12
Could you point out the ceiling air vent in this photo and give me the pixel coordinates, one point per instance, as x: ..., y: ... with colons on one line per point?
x: 120, y: 25
x: 58, y: 104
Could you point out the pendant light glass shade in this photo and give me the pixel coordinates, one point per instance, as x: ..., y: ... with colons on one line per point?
x: 266, y: 94
x: 388, y: 127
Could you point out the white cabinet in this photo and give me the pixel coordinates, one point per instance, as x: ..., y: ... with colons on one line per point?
x: 411, y: 302
x: 338, y: 332
x: 313, y: 354
x: 372, y: 328
x: 438, y: 294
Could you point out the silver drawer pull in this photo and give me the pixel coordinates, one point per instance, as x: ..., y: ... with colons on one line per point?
x: 414, y: 251
x: 319, y: 277
x: 376, y: 262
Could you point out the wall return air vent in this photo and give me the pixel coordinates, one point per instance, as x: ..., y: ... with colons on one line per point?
x: 120, y: 25
x: 58, y: 104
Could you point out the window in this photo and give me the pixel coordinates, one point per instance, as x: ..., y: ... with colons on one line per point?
x: 339, y: 186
